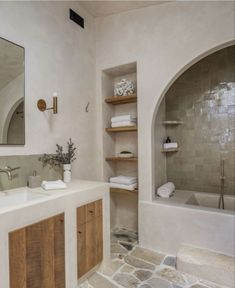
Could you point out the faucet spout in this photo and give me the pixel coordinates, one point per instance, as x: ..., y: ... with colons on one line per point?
x: 8, y: 170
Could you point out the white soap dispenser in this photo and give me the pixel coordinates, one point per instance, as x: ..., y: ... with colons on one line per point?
x: 35, y: 180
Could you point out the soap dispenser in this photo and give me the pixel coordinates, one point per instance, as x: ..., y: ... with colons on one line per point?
x: 168, y: 140
x: 35, y: 180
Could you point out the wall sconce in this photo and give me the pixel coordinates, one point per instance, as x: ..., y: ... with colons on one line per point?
x: 42, y: 105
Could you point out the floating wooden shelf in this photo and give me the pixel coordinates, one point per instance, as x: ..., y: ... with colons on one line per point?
x: 172, y: 122
x: 118, y: 190
x: 122, y: 129
x: 170, y: 150
x: 116, y: 100
x: 128, y: 159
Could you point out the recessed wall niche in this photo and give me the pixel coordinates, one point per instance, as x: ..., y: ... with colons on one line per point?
x: 124, y: 204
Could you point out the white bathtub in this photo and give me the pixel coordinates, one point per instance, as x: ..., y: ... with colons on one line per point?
x: 200, y: 199
x: 188, y: 217
x: 211, y: 200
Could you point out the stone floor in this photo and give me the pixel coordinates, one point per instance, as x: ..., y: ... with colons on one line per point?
x: 141, y: 268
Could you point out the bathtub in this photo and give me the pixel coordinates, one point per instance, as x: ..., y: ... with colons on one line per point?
x: 200, y: 199
x: 188, y: 217
x: 211, y: 200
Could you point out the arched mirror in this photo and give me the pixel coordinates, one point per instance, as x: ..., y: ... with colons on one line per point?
x: 12, y: 90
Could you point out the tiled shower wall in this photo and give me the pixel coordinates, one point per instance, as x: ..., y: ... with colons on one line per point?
x: 27, y: 163
x: 203, y: 98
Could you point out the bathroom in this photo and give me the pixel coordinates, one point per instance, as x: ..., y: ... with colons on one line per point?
x: 172, y: 52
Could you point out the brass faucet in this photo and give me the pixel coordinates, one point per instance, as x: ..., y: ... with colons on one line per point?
x: 8, y: 170
x: 222, y: 180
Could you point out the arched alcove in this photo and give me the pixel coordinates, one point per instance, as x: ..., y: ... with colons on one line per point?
x: 13, y: 113
x: 173, y: 166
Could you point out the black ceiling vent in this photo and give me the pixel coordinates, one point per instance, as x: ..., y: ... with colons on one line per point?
x: 76, y: 18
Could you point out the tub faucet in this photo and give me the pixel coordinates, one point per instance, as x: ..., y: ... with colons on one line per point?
x: 8, y: 170
x: 222, y: 180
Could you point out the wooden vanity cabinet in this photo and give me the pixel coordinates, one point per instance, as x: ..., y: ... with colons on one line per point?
x: 90, y: 236
x: 37, y: 255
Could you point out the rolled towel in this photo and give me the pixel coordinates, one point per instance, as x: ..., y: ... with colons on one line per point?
x: 53, y: 185
x: 123, y: 124
x: 166, y: 190
x: 126, y: 180
x: 172, y: 145
x: 123, y: 118
x: 131, y: 187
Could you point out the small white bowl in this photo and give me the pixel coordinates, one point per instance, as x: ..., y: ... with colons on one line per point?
x: 125, y: 155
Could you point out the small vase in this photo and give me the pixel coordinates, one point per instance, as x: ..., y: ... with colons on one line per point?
x: 67, y: 173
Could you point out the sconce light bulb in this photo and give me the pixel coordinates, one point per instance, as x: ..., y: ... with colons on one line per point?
x: 55, y: 94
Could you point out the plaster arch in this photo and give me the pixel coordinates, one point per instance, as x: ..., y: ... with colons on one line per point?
x: 161, y: 97
x: 8, y: 119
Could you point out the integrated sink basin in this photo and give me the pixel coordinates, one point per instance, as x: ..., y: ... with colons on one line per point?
x: 18, y: 197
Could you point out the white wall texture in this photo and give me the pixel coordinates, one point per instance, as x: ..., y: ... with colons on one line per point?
x: 60, y: 56
x: 164, y: 40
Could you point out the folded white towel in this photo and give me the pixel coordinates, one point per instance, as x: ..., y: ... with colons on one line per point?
x: 131, y: 187
x: 123, y: 118
x: 170, y: 145
x: 51, y: 185
x: 123, y: 124
x: 126, y: 180
x: 166, y: 190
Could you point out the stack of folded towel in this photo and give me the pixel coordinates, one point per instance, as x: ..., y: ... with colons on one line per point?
x: 172, y: 145
x: 53, y: 185
x: 166, y: 190
x: 124, y: 120
x: 124, y: 182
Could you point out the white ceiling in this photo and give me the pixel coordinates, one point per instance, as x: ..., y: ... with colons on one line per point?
x: 104, y: 8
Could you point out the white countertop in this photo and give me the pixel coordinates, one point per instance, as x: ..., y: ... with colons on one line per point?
x: 75, y: 186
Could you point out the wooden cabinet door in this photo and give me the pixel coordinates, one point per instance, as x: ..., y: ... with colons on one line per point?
x: 37, y: 255
x: 90, y: 245
x: 81, y: 250
x: 90, y: 237
x: 99, y: 239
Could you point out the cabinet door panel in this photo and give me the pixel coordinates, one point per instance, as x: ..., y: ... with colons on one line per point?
x: 81, y: 215
x: 90, y: 245
x: 90, y: 238
x: 90, y: 212
x: 59, y: 251
x: 33, y: 256
x: 17, y: 254
x: 47, y: 253
x: 81, y: 250
x: 99, y: 239
x: 41, y: 261
x: 98, y: 208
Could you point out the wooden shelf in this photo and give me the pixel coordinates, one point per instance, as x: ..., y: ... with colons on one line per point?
x: 172, y: 122
x: 170, y: 150
x: 118, y: 190
x: 116, y: 100
x: 122, y: 129
x: 127, y: 159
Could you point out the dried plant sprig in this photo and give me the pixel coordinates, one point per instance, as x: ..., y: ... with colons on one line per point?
x: 61, y: 157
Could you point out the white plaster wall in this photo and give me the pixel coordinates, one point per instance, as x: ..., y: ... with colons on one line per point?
x: 60, y: 57
x: 160, y: 136
x: 9, y: 95
x: 171, y: 226
x: 164, y: 40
